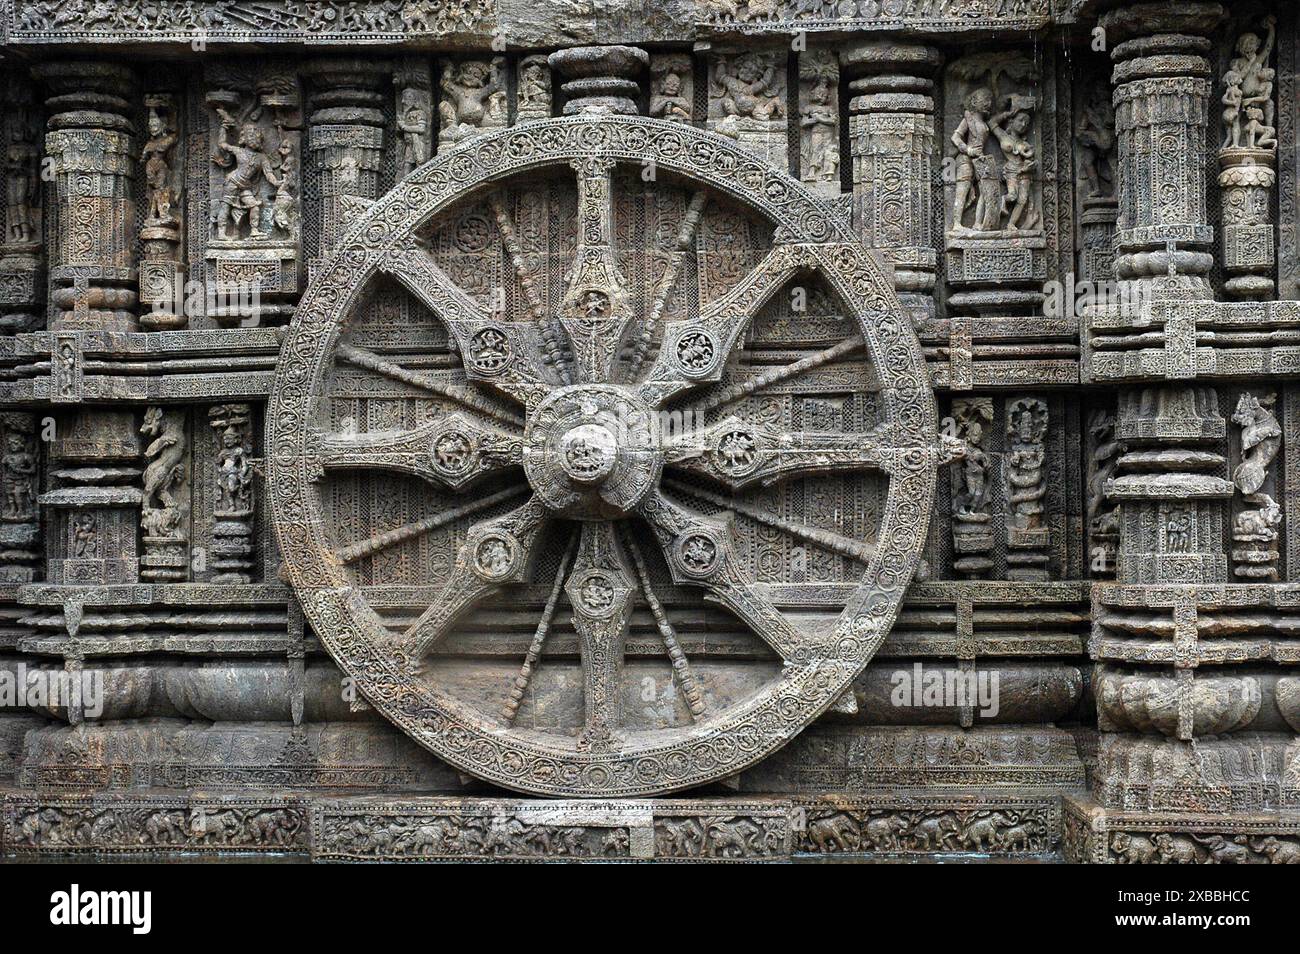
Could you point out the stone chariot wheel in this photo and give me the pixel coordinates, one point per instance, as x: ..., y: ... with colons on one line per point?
x: 546, y: 425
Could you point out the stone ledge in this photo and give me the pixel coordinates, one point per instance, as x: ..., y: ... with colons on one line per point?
x: 1097, y: 835
x: 971, y: 826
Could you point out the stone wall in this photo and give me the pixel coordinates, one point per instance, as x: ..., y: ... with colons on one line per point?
x: 434, y: 430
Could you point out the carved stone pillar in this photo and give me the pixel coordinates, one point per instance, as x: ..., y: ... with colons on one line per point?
x: 345, y: 136
x: 891, y: 136
x: 92, y: 143
x: 233, y: 500
x: 1171, y: 487
x: 22, y: 253
x: 1162, y: 90
x: 600, y: 78
x: 93, y: 504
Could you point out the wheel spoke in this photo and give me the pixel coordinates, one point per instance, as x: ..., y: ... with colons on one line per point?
x: 826, y: 539
x: 738, y: 454
x: 700, y: 551
x: 450, y: 452
x: 597, y: 308
x: 528, y: 281
x: 495, y: 352
x: 600, y: 591
x: 416, y: 528
x: 672, y: 268
x: 733, y: 393
x: 681, y: 665
x: 511, y: 707
x: 694, y: 352
x: 362, y: 358
x: 495, y: 552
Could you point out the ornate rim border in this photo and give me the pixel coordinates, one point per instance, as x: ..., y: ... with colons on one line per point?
x: 352, y: 631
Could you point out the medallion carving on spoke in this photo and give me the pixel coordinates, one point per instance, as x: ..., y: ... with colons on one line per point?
x: 582, y: 505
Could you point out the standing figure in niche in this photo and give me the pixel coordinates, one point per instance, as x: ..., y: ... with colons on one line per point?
x: 1096, y: 138
x: 413, y: 123
x: 534, y: 90
x: 158, y: 171
x: 241, y: 194
x: 975, y: 169
x: 283, y: 206
x: 1017, y: 169
x: 21, y: 190
x: 821, y: 159
x: 1251, y: 64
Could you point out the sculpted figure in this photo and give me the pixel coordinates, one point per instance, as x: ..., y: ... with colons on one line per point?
x: 751, y: 89
x: 1261, y: 438
x: 413, y: 123
x: 21, y: 187
x: 284, y: 206
x: 974, y: 471
x: 1095, y: 136
x: 1231, y: 109
x: 1251, y: 64
x: 667, y: 101
x: 1026, y: 463
x: 534, y: 89
x: 242, y: 195
x: 1017, y: 168
x: 165, y: 454
x: 819, y: 122
x: 1105, y: 458
x: 85, y: 529
x: 976, y: 172
x: 19, y: 464
x: 468, y: 93
x: 158, y: 171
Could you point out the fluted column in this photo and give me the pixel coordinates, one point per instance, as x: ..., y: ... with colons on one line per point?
x: 891, y: 138
x: 600, y: 79
x: 92, y: 144
x: 1162, y: 91
x: 345, y: 136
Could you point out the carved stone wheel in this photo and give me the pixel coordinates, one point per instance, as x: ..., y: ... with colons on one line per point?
x: 548, y: 435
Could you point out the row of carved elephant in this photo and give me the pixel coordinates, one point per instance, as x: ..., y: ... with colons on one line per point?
x: 463, y: 835
x: 1132, y: 848
x: 48, y: 827
x: 377, y: 836
x: 928, y: 831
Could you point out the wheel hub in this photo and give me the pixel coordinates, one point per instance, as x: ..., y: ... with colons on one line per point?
x: 591, y: 451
